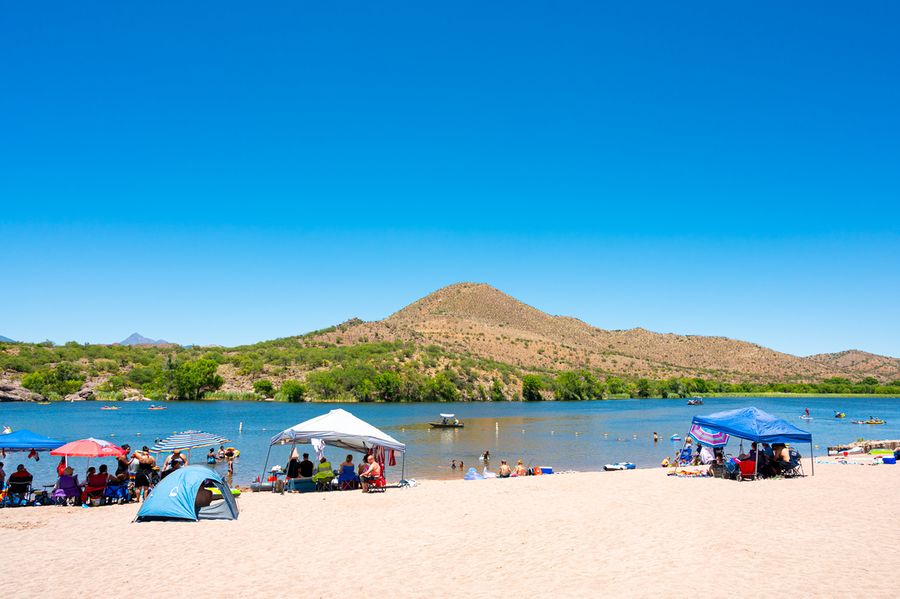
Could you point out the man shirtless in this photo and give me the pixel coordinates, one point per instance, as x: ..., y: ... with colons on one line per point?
x: 371, y: 474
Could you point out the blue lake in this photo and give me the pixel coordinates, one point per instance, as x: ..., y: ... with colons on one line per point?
x: 566, y: 436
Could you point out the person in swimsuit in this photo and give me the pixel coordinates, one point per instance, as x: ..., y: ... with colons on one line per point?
x: 372, y: 473
x: 176, y: 457
x: 504, y: 470
x: 520, y: 469
x: 122, y: 462
x: 143, y: 472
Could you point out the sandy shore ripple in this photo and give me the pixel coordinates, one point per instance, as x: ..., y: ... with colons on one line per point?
x: 636, y: 534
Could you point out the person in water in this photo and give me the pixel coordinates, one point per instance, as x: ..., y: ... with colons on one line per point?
x: 371, y: 474
x: 655, y: 438
x: 176, y: 457
x: 211, y: 456
x: 504, y: 470
x: 453, y: 464
x: 221, y: 454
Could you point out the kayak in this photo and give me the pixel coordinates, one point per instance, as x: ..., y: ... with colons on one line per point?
x: 619, y: 466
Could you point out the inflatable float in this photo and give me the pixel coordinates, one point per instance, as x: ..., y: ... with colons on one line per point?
x: 619, y: 466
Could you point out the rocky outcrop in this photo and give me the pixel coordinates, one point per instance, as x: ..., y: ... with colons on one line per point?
x: 14, y: 391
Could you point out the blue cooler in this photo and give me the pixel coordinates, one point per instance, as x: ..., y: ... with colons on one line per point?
x: 888, y: 460
x: 546, y: 470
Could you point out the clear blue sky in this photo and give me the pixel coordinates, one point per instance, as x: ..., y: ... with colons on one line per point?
x: 231, y: 172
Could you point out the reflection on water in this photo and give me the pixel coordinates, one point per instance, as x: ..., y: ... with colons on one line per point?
x: 576, y: 436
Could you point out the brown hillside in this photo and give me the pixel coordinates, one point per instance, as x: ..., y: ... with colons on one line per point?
x: 478, y: 319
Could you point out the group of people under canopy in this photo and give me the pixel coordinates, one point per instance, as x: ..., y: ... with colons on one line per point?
x: 134, y: 475
x: 341, y: 429
x: 771, y: 452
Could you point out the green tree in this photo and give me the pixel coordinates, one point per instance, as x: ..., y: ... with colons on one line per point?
x: 388, y: 386
x: 497, y: 393
x: 441, y: 388
x: 531, y: 388
x: 63, y: 380
x: 293, y: 391
x: 264, y: 387
x: 195, y: 378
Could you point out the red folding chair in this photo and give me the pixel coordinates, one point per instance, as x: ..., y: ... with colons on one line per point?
x: 748, y: 469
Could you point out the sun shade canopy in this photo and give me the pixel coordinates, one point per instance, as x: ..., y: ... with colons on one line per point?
x: 25, y: 440
x: 339, y: 428
x: 754, y: 425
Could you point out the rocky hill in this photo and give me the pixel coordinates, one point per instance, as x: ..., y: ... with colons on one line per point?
x: 477, y: 319
x: 138, y: 339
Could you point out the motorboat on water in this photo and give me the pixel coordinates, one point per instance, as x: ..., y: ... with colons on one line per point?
x: 695, y: 401
x: 109, y: 407
x: 156, y: 407
x: 447, y: 421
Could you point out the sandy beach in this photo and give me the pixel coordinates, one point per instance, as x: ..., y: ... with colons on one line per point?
x: 635, y: 533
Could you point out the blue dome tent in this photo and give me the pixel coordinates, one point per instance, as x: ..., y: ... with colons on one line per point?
x: 175, y: 497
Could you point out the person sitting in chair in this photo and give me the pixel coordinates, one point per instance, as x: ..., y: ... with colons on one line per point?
x: 782, y: 457
x: 306, y: 467
x: 347, y: 477
x: 371, y: 474
x: 324, y: 474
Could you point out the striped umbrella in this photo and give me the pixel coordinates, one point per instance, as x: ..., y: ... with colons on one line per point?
x: 188, y: 440
x: 708, y: 436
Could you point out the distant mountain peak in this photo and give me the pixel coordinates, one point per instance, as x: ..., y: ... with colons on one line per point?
x: 6, y: 339
x: 138, y: 339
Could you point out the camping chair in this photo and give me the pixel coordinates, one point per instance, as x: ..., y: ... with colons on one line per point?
x: 685, y: 457
x: 748, y: 469
x: 67, y: 490
x: 18, y: 492
x: 323, y: 479
x: 117, y: 492
x: 375, y: 485
x: 794, y: 467
x: 95, y: 487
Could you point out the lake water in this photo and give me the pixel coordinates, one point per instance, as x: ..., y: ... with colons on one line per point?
x: 564, y: 435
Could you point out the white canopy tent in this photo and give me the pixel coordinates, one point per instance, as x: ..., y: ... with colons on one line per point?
x: 338, y: 428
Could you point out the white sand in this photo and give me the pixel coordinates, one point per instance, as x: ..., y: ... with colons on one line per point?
x: 634, y: 533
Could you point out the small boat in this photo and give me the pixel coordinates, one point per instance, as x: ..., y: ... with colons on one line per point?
x: 870, y: 421
x: 805, y: 417
x: 840, y: 415
x: 109, y: 408
x: 619, y: 466
x: 695, y: 402
x: 447, y: 421
x: 155, y: 407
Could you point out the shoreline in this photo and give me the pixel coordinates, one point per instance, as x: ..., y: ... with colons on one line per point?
x: 571, y: 535
x: 768, y: 395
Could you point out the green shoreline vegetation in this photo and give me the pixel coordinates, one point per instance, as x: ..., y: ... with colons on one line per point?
x: 309, y: 370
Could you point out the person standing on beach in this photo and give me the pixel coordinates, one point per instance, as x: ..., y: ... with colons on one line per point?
x: 122, y: 462
x: 2, y: 476
x: 143, y: 473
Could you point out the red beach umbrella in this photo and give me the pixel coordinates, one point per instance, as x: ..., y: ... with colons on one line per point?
x: 89, y: 448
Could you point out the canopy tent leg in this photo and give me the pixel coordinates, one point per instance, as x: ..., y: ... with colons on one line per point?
x: 756, y: 466
x: 262, y: 478
x: 403, y: 467
x: 812, y: 457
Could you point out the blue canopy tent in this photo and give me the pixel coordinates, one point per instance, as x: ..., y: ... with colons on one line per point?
x: 25, y: 440
x: 756, y: 425
x: 175, y: 497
